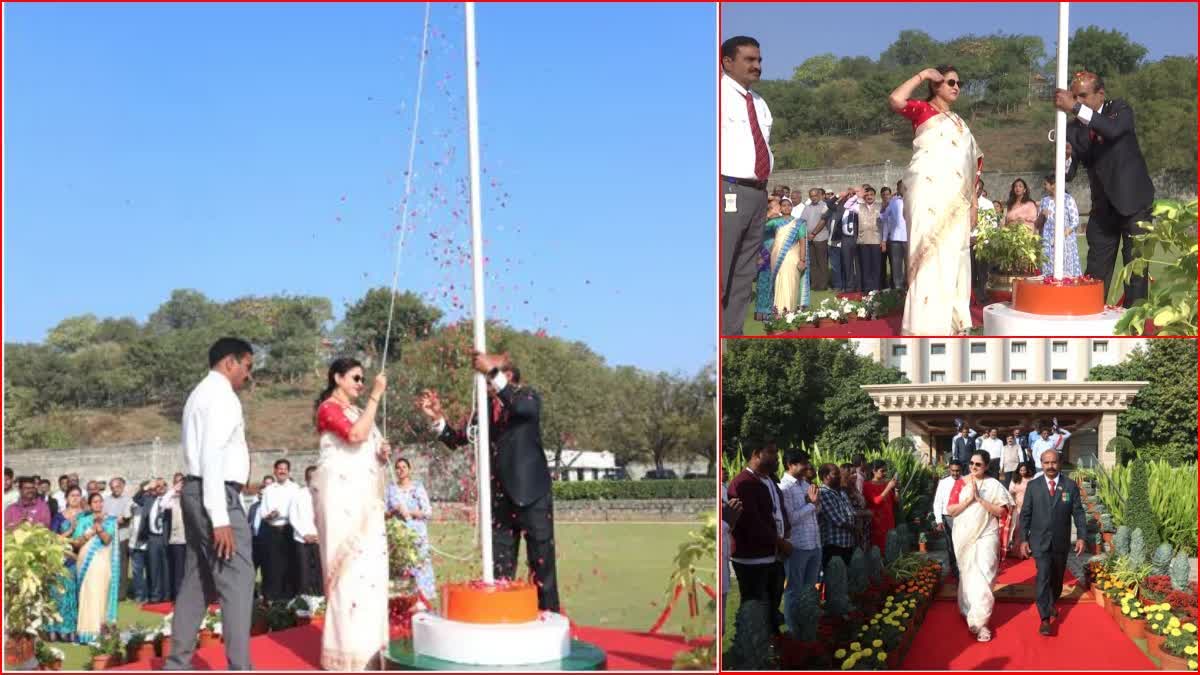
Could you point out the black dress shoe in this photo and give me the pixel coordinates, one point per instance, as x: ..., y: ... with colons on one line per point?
x: 1044, y: 629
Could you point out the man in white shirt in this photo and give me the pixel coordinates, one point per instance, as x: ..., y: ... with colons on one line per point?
x: 895, y: 232
x: 993, y: 445
x: 307, y: 553
x: 1048, y: 441
x: 279, y: 570
x: 120, y: 506
x: 801, y: 501
x: 944, y: 522
x: 746, y: 163
x: 218, y: 534
x: 60, y: 495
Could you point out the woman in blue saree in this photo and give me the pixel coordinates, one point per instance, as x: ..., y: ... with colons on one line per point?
x: 66, y: 594
x: 408, y: 501
x: 97, y: 561
x: 764, y: 285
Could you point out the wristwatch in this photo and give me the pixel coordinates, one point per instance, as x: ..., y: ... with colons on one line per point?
x: 1076, y: 108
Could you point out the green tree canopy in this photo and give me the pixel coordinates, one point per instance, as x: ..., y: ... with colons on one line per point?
x: 1164, y: 411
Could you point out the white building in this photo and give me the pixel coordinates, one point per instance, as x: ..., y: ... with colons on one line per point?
x: 1002, y: 383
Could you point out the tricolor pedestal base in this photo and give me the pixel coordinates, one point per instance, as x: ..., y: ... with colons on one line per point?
x: 543, y: 642
x: 1001, y: 320
x: 582, y: 656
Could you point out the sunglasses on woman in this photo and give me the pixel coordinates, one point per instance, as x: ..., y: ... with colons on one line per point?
x: 954, y: 83
x: 976, y: 463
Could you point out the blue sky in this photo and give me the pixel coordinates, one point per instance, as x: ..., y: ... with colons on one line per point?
x: 260, y: 149
x: 1166, y: 29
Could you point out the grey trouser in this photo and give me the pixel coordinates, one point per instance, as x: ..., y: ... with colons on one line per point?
x: 898, y: 257
x: 741, y: 240
x: 207, y: 578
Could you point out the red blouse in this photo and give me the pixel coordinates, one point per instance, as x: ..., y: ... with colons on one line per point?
x: 919, y: 111
x: 332, y: 417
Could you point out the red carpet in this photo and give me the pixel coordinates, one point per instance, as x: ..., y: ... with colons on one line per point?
x: 300, y: 649
x: 166, y: 607
x: 1085, y: 638
x: 1024, y: 572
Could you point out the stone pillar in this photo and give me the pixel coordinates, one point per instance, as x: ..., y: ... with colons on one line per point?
x: 996, y: 372
x: 1083, y: 353
x: 1037, y: 357
x: 895, y: 426
x: 1105, y: 433
x: 917, y: 348
x: 954, y: 354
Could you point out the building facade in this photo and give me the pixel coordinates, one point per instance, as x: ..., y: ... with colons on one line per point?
x: 1005, y: 384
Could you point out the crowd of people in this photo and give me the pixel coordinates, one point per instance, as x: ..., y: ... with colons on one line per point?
x: 132, y: 546
x: 778, y: 248
x: 778, y: 536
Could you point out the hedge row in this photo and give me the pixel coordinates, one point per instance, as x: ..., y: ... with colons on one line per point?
x: 700, y: 488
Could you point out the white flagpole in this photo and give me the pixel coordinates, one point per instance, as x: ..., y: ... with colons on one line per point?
x: 483, y: 410
x: 1060, y: 142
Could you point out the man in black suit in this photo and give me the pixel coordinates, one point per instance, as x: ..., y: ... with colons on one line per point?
x: 1102, y: 138
x: 521, y: 496
x: 1051, y: 502
x: 964, y: 445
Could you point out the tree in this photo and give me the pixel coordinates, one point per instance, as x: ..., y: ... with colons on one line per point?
x: 73, y: 333
x: 366, y: 321
x: 913, y: 49
x: 186, y: 309
x: 1105, y: 52
x: 1164, y: 411
x: 815, y: 70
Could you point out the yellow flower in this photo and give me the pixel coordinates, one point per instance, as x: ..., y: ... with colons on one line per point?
x: 1189, y: 627
x: 839, y: 654
x: 848, y: 664
x: 1154, y: 626
x: 1175, y: 632
x: 868, y: 651
x: 1174, y: 622
x: 1158, y: 617
x: 855, y: 646
x: 1190, y: 649
x: 874, y: 621
x: 1192, y: 664
x: 882, y: 656
x: 877, y: 643
x: 1125, y: 609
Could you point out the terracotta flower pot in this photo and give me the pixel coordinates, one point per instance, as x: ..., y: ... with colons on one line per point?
x: 208, y: 639
x: 1100, y: 598
x: 102, y: 662
x: 1170, y: 661
x: 922, y: 546
x: 142, y: 652
x: 1134, y: 628
x: 1154, y: 641
x: 259, y: 627
x: 302, y: 620
x: 19, y: 649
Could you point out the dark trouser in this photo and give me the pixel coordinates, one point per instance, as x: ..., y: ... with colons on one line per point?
x: 258, y: 547
x: 837, y: 279
x: 159, y: 568
x: 762, y: 582
x: 279, y: 566
x: 1050, y: 569
x: 741, y: 240
x: 207, y: 578
x: 178, y: 554
x: 1106, y: 231
x: 536, y: 522
x: 308, y: 559
x: 870, y: 265
x: 819, y: 265
x: 851, y: 271
x: 829, y: 552
x: 979, y: 278
x: 138, y: 588
x: 898, y: 258
x: 949, y: 527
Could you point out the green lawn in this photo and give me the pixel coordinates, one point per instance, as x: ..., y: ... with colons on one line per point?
x: 611, y: 575
x: 753, y: 327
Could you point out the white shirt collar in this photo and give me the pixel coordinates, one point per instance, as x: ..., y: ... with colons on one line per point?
x: 736, y: 87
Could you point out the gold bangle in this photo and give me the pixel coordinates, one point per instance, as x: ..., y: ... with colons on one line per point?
x: 373, y: 399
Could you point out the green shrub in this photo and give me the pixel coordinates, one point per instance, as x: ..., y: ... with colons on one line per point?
x: 752, y: 645
x: 1121, y: 540
x: 837, y: 592
x: 1138, y: 513
x: 697, y: 488
x: 1173, y: 454
x: 1122, y: 448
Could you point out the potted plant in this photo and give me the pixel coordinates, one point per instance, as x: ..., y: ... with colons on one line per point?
x: 210, y: 629
x: 48, y: 658
x: 280, y: 616
x: 1013, y: 251
x: 1158, y: 625
x: 162, y: 639
x: 33, y: 562
x: 258, y: 618
x: 1177, y: 649
x: 318, y: 613
x: 303, y: 611
x: 108, y: 649
x: 139, y: 646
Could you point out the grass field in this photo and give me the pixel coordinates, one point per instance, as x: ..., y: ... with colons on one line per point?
x: 612, y: 575
x: 753, y: 327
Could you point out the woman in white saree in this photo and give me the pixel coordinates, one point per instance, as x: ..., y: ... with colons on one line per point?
x: 939, y: 206
x: 977, y: 505
x: 348, y: 502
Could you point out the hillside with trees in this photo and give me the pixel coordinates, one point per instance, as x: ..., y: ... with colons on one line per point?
x: 100, y: 381
x: 833, y: 111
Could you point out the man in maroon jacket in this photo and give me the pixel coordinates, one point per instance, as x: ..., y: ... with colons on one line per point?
x: 760, y: 535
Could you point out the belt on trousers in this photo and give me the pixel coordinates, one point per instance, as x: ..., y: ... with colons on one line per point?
x: 746, y: 182
x: 230, y: 483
